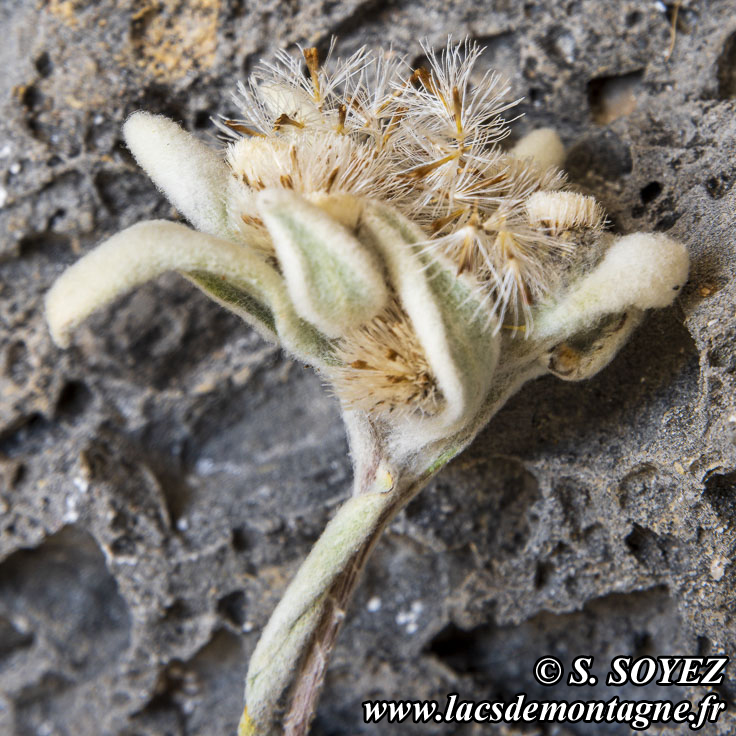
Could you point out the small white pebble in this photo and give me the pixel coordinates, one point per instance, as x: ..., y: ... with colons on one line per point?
x: 14, y: 168
x: 129, y: 561
x: 374, y: 604
x: 248, y: 626
x: 410, y: 618
x: 81, y: 484
x: 98, y: 119
x: 182, y: 524
x: 71, y: 513
x: 732, y: 419
x: 3, y: 196
x: 22, y: 624
x: 566, y: 44
x: 662, y: 7
x: 5, y: 151
x: 718, y: 567
x: 204, y: 466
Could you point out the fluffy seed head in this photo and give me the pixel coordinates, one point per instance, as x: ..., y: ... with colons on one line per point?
x: 425, y: 140
x: 384, y: 369
x: 561, y: 211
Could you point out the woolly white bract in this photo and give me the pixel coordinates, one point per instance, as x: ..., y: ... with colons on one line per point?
x: 366, y: 217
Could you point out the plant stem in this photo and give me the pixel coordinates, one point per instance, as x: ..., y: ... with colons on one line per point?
x: 288, y: 667
x: 310, y: 675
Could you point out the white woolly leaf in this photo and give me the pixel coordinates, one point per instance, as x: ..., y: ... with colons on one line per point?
x: 334, y: 281
x: 229, y: 273
x: 639, y: 271
x: 193, y: 177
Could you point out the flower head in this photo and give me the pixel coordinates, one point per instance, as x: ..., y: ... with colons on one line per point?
x: 365, y: 215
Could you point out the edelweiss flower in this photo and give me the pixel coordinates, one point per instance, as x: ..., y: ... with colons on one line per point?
x: 365, y: 216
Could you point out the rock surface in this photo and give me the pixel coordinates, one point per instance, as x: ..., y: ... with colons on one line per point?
x: 161, y: 480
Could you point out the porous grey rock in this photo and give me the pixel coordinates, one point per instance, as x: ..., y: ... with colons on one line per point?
x: 161, y: 480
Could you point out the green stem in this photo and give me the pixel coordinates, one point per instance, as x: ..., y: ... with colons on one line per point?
x: 289, y: 663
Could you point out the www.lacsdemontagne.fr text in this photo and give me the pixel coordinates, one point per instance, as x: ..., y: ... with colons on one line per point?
x: 638, y: 714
